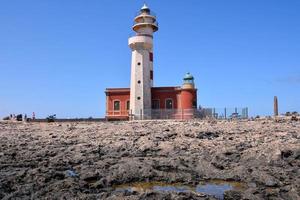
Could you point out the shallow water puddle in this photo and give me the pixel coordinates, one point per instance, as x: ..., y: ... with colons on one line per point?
x: 213, y: 187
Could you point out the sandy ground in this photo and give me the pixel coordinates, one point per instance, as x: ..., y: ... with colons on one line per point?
x: 86, y: 160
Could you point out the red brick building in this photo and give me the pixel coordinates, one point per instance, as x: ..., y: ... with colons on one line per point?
x: 142, y: 100
x: 180, y: 100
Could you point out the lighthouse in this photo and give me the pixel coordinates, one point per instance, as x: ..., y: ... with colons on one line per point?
x: 142, y: 100
x: 141, y: 44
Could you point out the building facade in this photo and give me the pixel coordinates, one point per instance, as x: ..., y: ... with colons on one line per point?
x: 142, y: 100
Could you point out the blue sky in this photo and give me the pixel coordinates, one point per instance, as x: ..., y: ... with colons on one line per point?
x: 58, y: 56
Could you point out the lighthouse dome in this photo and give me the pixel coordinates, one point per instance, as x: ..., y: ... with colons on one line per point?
x: 188, y: 76
x: 145, y: 8
x: 188, y: 81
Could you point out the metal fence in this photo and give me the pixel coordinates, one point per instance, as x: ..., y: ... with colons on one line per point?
x: 225, y: 113
x: 216, y: 113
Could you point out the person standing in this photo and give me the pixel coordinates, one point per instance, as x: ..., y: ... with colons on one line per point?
x: 25, y: 118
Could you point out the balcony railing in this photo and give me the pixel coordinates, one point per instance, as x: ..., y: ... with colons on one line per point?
x: 117, y: 113
x: 145, y: 22
x: 141, y: 13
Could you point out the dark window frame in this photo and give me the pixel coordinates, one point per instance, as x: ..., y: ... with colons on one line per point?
x: 117, y: 107
x: 167, y: 105
x: 158, y: 104
x: 151, y: 56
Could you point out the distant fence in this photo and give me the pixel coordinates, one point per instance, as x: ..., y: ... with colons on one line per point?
x: 216, y: 113
x: 225, y: 113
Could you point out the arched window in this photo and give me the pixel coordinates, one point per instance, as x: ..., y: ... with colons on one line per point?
x: 169, y: 103
x: 116, y: 105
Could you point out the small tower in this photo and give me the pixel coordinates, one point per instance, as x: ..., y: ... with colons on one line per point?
x: 142, y: 62
x: 188, y: 81
x: 188, y: 93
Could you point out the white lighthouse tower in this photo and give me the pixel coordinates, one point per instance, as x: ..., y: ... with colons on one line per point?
x: 142, y: 63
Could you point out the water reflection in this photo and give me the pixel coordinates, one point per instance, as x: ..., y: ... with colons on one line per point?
x: 213, y: 187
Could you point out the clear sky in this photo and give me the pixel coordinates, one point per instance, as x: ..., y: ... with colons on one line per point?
x: 58, y: 56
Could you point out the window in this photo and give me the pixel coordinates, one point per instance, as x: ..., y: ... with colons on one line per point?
x: 151, y: 56
x: 151, y: 74
x: 128, y: 105
x: 139, y: 81
x: 138, y: 63
x: 116, y: 105
x: 138, y: 98
x: 169, y: 104
x: 155, y: 104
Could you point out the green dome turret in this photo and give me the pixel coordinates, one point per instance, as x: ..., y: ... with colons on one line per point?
x: 188, y: 81
x: 188, y: 77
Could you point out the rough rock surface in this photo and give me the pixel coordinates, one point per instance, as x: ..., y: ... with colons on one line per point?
x: 86, y: 160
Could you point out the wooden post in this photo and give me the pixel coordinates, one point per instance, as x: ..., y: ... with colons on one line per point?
x: 275, y: 106
x: 225, y: 113
x: 140, y: 114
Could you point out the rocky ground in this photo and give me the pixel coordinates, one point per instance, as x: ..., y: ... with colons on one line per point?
x: 86, y: 160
